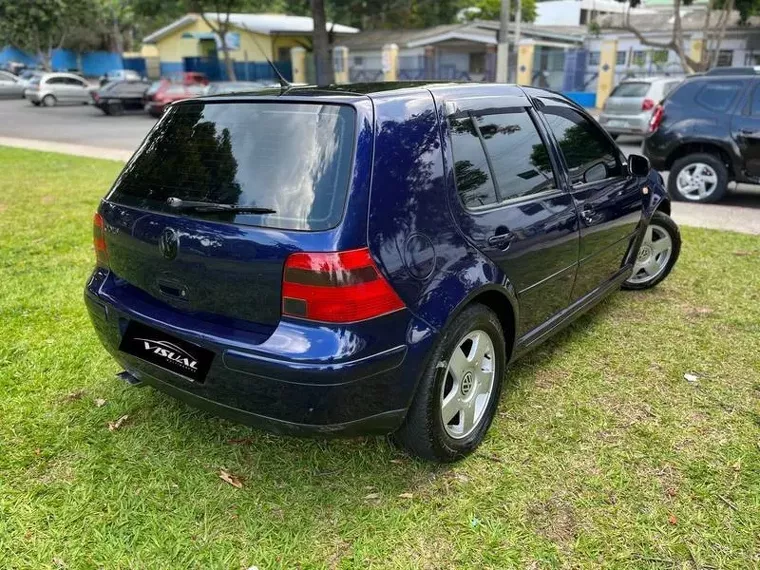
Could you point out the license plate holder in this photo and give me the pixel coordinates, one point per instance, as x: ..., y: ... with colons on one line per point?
x: 189, y: 360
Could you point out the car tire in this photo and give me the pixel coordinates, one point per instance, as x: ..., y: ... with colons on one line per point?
x: 709, y: 162
x: 49, y: 101
x: 115, y: 108
x: 35, y: 103
x: 424, y: 432
x: 652, y: 265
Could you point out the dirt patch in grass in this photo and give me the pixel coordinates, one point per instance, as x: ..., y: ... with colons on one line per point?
x: 554, y: 519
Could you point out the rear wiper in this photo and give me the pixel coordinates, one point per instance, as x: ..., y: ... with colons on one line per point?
x: 180, y: 204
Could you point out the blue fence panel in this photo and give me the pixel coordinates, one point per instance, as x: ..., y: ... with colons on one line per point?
x: 95, y: 63
x: 258, y: 71
x: 583, y: 98
x: 64, y: 60
x: 10, y: 53
x: 169, y: 67
x: 136, y: 64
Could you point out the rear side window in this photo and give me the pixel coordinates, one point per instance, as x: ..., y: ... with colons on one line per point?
x: 589, y: 155
x: 718, y: 95
x: 631, y: 90
x: 504, y: 152
x: 292, y: 158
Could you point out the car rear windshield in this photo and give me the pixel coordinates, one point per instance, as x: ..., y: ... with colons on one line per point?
x: 630, y: 90
x: 289, y: 157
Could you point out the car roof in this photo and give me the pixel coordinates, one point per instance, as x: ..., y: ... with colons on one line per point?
x: 61, y: 74
x: 357, y: 91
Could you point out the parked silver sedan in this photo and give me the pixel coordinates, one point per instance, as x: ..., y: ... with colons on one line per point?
x: 630, y: 105
x: 59, y: 88
x: 10, y: 86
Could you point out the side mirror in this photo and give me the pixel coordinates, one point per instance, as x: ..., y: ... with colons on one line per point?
x: 638, y: 165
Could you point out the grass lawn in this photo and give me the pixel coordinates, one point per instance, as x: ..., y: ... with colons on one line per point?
x: 602, y: 455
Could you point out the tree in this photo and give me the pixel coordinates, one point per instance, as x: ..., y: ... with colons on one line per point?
x: 713, y: 34
x: 490, y: 9
x: 219, y: 22
x: 40, y: 26
x: 321, y: 43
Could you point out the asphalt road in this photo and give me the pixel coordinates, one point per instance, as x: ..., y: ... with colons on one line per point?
x: 75, y: 124
x: 86, y: 125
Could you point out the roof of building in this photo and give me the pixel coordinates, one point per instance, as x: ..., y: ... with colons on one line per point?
x: 261, y: 23
x: 692, y: 19
x: 478, y: 31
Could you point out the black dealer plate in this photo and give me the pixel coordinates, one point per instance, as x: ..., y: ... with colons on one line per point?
x: 168, y: 352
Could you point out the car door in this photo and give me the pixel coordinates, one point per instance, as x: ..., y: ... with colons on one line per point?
x: 57, y: 86
x: 609, y: 201
x: 510, y: 204
x: 9, y: 85
x: 745, y: 130
x: 78, y: 90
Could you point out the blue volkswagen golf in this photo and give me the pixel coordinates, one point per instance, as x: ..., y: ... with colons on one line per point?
x: 366, y: 258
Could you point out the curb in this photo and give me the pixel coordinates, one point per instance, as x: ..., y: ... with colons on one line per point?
x: 67, y: 148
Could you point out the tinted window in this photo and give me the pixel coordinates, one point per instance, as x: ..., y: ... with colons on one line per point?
x: 519, y: 158
x: 473, y: 177
x: 293, y: 158
x: 74, y: 82
x: 755, y: 105
x: 55, y: 81
x: 584, y: 146
x: 718, y: 95
x: 630, y: 90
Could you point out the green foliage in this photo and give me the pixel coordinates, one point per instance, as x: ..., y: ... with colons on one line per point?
x: 491, y: 9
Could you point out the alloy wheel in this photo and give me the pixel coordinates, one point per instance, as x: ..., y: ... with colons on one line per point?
x: 653, y: 257
x: 468, y: 386
x: 697, y: 181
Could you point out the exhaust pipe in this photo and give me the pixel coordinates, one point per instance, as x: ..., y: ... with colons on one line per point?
x: 129, y: 378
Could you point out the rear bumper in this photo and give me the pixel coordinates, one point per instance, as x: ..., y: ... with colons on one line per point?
x: 625, y: 124
x: 300, y: 379
x: 657, y: 149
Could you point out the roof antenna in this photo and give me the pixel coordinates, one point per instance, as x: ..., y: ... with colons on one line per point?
x: 284, y: 83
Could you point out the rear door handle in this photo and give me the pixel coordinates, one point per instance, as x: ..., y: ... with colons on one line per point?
x: 587, y: 213
x: 501, y: 241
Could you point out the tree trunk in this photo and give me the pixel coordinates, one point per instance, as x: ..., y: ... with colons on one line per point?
x: 228, y: 63
x: 322, y: 60
x: 728, y: 9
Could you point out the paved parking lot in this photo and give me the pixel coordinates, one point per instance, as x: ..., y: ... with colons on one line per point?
x: 86, y: 129
x: 78, y: 124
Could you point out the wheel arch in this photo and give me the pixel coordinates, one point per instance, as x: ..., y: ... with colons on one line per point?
x: 696, y: 147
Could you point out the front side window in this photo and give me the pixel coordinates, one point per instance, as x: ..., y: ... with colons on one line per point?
x: 589, y: 155
x: 498, y: 157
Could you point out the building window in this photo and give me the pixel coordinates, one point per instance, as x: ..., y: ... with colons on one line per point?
x: 478, y: 62
x: 660, y: 57
x: 358, y: 60
x: 283, y: 54
x: 593, y: 58
x: 725, y: 58
x: 639, y: 58
x: 620, y: 58
x: 751, y: 58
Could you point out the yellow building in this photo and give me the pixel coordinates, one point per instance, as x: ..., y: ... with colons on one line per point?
x: 189, y: 44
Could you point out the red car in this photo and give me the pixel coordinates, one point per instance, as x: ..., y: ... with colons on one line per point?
x: 163, y: 92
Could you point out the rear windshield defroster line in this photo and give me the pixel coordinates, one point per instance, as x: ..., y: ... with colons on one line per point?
x: 293, y: 158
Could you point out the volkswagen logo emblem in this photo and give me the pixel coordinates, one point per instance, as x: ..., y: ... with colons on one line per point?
x: 168, y: 243
x: 467, y: 382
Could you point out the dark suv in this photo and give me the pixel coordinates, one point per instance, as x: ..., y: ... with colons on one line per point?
x: 707, y: 133
x: 368, y: 258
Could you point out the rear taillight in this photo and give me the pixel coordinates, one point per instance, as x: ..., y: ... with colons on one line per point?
x: 657, y: 116
x: 647, y: 105
x: 99, y: 240
x: 337, y: 287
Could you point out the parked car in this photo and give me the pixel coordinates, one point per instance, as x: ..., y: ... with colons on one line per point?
x: 188, y: 78
x: 707, y: 134
x: 161, y: 93
x: 10, y: 86
x: 755, y: 70
x: 226, y: 87
x: 118, y: 96
x: 629, y: 107
x: 26, y: 76
x: 120, y: 75
x: 350, y: 260
x: 52, y: 89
